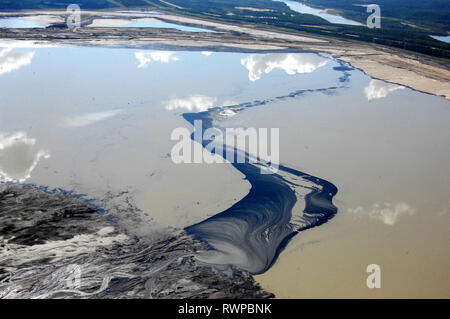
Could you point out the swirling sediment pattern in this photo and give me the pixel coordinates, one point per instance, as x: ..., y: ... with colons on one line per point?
x: 252, y: 233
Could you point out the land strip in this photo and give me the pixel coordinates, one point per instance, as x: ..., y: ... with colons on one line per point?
x: 420, y: 72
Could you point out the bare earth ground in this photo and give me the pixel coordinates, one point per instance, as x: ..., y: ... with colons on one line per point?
x: 41, y: 252
x: 409, y: 69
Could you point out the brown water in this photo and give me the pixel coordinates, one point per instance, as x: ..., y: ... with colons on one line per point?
x: 98, y: 121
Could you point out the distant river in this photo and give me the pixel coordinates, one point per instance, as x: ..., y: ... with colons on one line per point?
x: 440, y: 38
x: 301, y: 8
x: 20, y: 23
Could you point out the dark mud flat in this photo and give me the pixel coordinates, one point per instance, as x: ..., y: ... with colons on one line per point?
x: 30, y: 217
x: 56, y: 245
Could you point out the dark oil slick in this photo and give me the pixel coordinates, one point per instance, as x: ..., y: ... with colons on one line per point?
x: 252, y: 233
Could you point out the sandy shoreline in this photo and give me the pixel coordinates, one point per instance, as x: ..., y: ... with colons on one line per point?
x: 419, y: 72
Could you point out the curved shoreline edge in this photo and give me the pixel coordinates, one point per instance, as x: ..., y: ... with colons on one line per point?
x: 253, y: 232
x: 417, y: 71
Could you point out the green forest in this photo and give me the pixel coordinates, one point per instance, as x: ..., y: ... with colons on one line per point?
x: 433, y: 15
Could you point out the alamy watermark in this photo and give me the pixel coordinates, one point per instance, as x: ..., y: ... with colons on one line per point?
x: 235, y: 145
x: 73, y: 280
x: 374, y: 20
x: 73, y: 20
x: 374, y: 279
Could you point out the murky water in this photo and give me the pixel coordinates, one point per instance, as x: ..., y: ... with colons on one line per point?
x: 164, y: 25
x: 302, y: 8
x: 144, y: 23
x: 138, y: 11
x: 99, y: 122
x: 21, y: 23
x: 106, y: 21
x: 445, y: 39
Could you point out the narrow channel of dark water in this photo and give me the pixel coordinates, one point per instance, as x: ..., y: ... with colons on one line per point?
x: 252, y: 233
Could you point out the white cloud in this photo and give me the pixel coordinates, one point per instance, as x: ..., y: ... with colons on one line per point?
x: 11, y: 60
x: 227, y: 113
x: 291, y: 63
x: 88, y: 119
x: 378, y: 89
x: 442, y: 213
x: 145, y: 58
x: 387, y: 213
x: 18, y: 156
x: 197, y: 103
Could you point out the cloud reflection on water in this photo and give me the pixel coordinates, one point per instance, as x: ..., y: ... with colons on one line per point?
x: 18, y: 156
x: 387, y: 213
x: 198, y: 103
x: 145, y: 58
x: 11, y: 60
x: 378, y: 89
x: 88, y: 119
x: 291, y: 63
